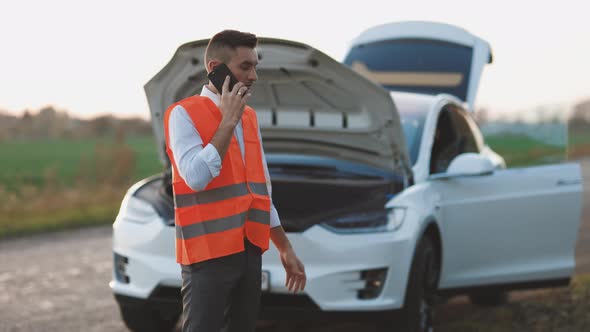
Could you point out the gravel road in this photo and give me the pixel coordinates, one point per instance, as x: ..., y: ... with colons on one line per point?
x: 59, y: 281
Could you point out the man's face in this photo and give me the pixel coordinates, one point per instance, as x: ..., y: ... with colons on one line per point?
x: 243, y: 65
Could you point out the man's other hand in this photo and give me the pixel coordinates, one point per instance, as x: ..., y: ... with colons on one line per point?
x: 295, y: 271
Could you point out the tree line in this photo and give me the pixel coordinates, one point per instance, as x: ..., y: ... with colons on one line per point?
x: 49, y: 122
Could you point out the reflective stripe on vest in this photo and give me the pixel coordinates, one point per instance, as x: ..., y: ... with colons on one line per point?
x: 213, y: 222
x: 218, y: 194
x: 222, y: 224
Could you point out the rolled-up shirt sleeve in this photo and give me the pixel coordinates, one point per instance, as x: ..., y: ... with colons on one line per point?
x: 274, y: 214
x: 196, y: 164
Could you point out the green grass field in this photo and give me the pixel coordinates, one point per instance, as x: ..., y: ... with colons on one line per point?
x: 56, y: 184
x: 28, y: 161
x: 520, y: 151
x: 579, y: 137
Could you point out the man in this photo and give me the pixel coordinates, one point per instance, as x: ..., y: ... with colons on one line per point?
x: 222, y: 196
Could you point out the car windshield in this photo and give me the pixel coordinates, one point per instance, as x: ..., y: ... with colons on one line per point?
x: 413, y: 125
x: 414, y: 65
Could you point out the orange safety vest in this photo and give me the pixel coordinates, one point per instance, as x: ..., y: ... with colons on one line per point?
x: 212, y: 222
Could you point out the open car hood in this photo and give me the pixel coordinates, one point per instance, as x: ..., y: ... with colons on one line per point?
x: 307, y: 104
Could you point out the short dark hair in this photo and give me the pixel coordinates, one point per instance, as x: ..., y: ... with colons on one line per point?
x: 221, y: 45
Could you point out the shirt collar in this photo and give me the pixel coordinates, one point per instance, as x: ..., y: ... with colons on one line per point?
x: 211, y: 95
x: 215, y: 98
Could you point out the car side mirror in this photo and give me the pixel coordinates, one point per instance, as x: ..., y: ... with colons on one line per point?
x: 467, y: 164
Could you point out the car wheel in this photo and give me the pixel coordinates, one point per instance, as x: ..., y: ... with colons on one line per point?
x: 144, y: 318
x: 418, y: 311
x: 489, y: 299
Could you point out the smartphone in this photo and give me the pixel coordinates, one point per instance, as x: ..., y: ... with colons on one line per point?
x: 218, y: 74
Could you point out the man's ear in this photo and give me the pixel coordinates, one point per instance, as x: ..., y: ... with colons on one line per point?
x: 212, y: 64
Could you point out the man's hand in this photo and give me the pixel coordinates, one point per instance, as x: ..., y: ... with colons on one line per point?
x: 296, y: 277
x: 232, y: 106
x: 233, y: 102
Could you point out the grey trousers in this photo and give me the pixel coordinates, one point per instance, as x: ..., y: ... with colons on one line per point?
x: 222, y: 293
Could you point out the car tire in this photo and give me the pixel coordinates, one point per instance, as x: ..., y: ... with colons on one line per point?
x: 418, y: 311
x: 489, y: 299
x: 144, y: 318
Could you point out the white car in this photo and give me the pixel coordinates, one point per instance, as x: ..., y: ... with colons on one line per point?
x: 391, y: 199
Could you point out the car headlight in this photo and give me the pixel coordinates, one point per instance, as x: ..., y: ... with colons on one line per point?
x: 137, y: 210
x: 385, y: 220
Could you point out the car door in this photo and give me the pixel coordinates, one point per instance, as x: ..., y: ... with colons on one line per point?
x: 511, y: 226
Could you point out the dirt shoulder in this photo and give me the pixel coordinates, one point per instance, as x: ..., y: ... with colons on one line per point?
x: 560, y: 309
x: 58, y: 282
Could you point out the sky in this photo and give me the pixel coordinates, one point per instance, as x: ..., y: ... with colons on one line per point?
x: 93, y: 57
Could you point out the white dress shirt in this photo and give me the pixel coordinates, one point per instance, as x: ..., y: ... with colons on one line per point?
x: 198, y: 165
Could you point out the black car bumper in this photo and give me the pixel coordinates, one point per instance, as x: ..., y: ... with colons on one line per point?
x: 272, y: 306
